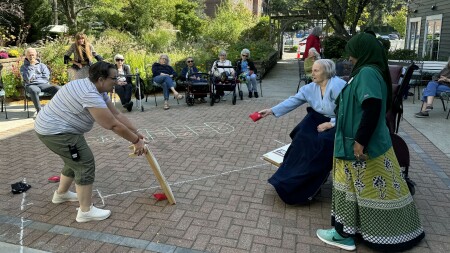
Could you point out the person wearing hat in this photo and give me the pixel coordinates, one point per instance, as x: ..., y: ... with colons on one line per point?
x: 124, y: 86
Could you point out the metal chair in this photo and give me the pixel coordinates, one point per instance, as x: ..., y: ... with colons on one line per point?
x: 301, y: 73
x: 157, y: 85
x: 445, y: 96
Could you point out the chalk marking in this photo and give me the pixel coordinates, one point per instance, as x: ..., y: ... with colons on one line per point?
x: 187, y: 181
x: 282, y: 143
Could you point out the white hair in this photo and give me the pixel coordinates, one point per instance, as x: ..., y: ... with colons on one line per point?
x: 317, y: 31
x: 245, y: 51
x: 29, y: 49
x: 222, y: 52
x: 314, y: 52
x: 329, y: 67
x: 118, y: 56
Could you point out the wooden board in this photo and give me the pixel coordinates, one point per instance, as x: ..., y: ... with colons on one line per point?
x: 276, y: 156
x: 159, y: 175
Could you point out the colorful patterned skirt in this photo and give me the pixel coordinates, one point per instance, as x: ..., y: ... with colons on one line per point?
x: 371, y: 199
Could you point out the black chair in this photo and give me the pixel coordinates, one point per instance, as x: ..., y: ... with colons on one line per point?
x: 27, y: 97
x: 301, y: 73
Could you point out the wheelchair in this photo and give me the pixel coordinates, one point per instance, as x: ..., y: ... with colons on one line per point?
x: 225, y: 82
x: 198, y: 85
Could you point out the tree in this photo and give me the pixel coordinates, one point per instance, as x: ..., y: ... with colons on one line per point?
x: 398, y: 20
x: 230, y: 21
x: 72, y: 9
x: 187, y: 20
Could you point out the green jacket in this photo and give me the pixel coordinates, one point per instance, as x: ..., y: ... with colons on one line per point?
x: 368, y: 83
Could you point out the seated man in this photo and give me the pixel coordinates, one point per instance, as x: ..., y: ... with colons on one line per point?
x: 440, y: 83
x: 36, y: 77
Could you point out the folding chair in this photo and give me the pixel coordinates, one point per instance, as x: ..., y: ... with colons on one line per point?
x: 445, y: 96
x: 27, y: 96
x: 157, y: 85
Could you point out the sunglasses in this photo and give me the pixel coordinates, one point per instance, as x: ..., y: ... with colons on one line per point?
x: 163, y: 58
x: 245, y: 55
x: 119, y: 59
x: 113, y: 78
x: 189, y: 61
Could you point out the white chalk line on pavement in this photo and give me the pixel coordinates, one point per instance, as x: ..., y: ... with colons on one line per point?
x: 184, y: 181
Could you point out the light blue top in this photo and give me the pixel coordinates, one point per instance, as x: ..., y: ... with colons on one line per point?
x: 311, y: 94
x: 244, y: 66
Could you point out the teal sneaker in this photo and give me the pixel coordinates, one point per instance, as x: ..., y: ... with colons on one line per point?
x: 330, y: 236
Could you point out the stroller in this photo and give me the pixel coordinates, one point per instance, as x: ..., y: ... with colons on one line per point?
x: 198, y: 87
x: 225, y: 82
x: 393, y: 118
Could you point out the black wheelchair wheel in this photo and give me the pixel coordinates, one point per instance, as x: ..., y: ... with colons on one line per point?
x: 212, y: 98
x: 241, y: 95
x: 234, y: 99
x: 190, y: 101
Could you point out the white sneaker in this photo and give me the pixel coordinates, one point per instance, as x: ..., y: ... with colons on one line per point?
x: 93, y: 214
x: 68, y: 196
x: 223, y: 98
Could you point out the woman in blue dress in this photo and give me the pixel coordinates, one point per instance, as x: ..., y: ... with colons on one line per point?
x: 308, y: 160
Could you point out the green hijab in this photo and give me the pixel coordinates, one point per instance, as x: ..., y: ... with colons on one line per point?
x: 370, y: 52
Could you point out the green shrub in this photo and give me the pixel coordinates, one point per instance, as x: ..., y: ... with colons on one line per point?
x: 158, y: 39
x: 402, y: 54
x: 13, y: 53
x: 294, y: 48
x: 230, y: 21
x: 12, y: 80
x: 112, y: 42
x: 259, y: 31
x: 334, y: 47
x: 259, y: 50
x: 52, y: 55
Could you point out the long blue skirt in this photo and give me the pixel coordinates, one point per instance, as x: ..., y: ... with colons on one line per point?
x: 307, y: 162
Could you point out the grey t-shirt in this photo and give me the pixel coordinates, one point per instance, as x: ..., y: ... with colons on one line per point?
x: 67, y: 111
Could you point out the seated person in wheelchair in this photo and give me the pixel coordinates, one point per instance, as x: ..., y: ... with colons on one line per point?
x: 246, y: 70
x: 163, y: 75
x: 36, y: 77
x: 222, y: 73
x: 439, y: 84
x: 313, y: 55
x: 124, y: 86
x: 187, y: 74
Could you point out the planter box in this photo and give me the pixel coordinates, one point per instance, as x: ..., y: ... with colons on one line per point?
x: 7, y: 63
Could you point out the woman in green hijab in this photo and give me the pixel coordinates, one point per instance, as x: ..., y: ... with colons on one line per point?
x: 370, y: 196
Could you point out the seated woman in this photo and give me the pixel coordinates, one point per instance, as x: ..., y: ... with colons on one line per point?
x: 308, y: 160
x: 163, y: 74
x: 313, y: 55
x: 187, y: 73
x: 441, y: 83
x: 247, y: 69
x: 217, y: 72
x: 124, y: 86
x: 83, y: 54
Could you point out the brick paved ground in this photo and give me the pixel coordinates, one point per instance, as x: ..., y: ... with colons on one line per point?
x: 212, y: 158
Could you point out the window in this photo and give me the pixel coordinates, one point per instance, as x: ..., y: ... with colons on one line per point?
x: 432, y: 37
x: 414, y: 34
